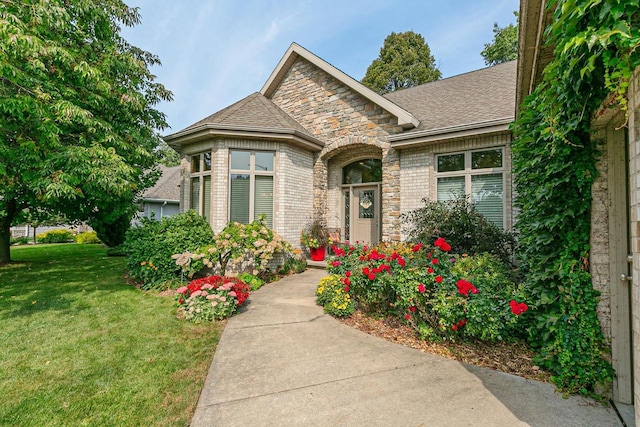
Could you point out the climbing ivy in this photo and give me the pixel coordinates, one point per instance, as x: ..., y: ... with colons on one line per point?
x: 554, y: 165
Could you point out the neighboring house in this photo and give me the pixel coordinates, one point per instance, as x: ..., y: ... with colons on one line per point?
x: 163, y: 199
x: 615, y: 227
x: 316, y: 144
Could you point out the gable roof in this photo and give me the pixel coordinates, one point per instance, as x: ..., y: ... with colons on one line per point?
x: 167, y: 188
x: 405, y: 118
x: 254, y: 116
x: 476, y: 102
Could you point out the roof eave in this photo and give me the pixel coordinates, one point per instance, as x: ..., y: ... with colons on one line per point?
x: 426, y: 137
x: 205, y: 131
x: 159, y: 200
x: 405, y: 119
x: 530, y: 41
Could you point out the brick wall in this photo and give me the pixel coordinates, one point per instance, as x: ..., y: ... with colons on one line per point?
x: 417, y: 180
x: 293, y: 197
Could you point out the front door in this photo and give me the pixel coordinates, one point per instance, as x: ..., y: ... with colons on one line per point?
x: 364, y: 214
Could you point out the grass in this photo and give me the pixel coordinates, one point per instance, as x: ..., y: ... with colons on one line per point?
x: 81, y: 347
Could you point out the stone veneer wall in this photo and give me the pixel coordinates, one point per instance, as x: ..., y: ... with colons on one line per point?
x: 293, y: 199
x: 418, y: 177
x: 634, y: 182
x: 599, y: 242
x: 341, y: 117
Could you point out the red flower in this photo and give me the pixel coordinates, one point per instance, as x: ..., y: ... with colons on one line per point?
x: 438, y: 279
x: 442, y: 244
x: 346, y: 281
x: 347, y: 273
x: 407, y: 316
x: 429, y: 270
x: 347, y: 288
x: 462, y: 322
x: 454, y: 327
x: 464, y: 287
x: 372, y: 276
x: 518, y: 308
x: 417, y: 247
x: 365, y: 271
x: 434, y: 261
x: 335, y: 263
x: 180, y: 301
x: 413, y: 309
x: 421, y: 288
x: 402, y: 262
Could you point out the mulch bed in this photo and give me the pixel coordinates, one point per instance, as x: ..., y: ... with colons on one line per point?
x: 513, y: 358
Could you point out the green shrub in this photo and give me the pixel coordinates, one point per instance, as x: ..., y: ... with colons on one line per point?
x: 236, y: 243
x: 254, y: 282
x: 55, y: 236
x: 466, y: 229
x: 87, y: 237
x: 20, y: 240
x: 150, y: 246
x: 293, y: 264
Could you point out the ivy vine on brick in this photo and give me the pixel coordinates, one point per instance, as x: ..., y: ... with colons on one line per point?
x: 554, y: 165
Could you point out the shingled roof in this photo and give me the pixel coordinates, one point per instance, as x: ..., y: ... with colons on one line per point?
x: 482, y: 96
x: 167, y: 186
x: 253, y: 116
x: 253, y: 111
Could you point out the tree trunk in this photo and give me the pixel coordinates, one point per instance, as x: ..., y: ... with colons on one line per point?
x: 5, y: 232
x: 5, y: 242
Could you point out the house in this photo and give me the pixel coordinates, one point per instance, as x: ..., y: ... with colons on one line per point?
x: 314, y: 143
x: 163, y: 199
x: 615, y: 211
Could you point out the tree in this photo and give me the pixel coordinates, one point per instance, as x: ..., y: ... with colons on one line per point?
x: 77, y: 123
x: 405, y: 60
x: 167, y: 155
x: 504, y: 46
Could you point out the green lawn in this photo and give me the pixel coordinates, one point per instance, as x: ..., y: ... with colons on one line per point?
x: 81, y: 347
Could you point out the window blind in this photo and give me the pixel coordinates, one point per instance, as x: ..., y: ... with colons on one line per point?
x: 240, y: 192
x: 263, y: 200
x: 487, y: 196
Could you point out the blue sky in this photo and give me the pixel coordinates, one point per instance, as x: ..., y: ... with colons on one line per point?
x: 216, y: 52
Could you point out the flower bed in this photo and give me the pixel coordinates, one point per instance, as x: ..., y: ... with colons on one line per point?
x: 211, y: 298
x: 439, y: 294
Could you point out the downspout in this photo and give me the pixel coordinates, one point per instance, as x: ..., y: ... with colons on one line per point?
x: 162, y: 209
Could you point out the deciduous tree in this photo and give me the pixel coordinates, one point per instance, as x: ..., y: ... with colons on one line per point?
x: 77, y: 120
x: 405, y: 60
x: 504, y: 46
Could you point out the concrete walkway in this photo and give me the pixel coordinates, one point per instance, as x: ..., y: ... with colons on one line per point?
x: 282, y: 362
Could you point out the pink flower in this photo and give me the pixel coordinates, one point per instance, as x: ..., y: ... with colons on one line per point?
x: 421, y: 288
x: 335, y: 263
x: 182, y: 290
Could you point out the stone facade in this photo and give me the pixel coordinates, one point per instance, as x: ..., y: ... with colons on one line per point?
x: 343, y: 120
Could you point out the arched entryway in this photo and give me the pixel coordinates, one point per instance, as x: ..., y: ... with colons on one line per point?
x: 361, y: 204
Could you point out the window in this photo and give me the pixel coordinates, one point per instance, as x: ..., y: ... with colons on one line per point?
x: 251, y: 186
x: 200, y: 188
x: 478, y: 174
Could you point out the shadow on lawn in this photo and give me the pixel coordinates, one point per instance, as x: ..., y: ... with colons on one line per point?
x: 65, y: 283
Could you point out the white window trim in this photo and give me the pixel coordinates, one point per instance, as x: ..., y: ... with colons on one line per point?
x: 200, y: 176
x: 468, y: 172
x: 252, y: 172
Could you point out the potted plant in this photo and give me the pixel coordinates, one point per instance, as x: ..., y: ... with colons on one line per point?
x: 315, y: 237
